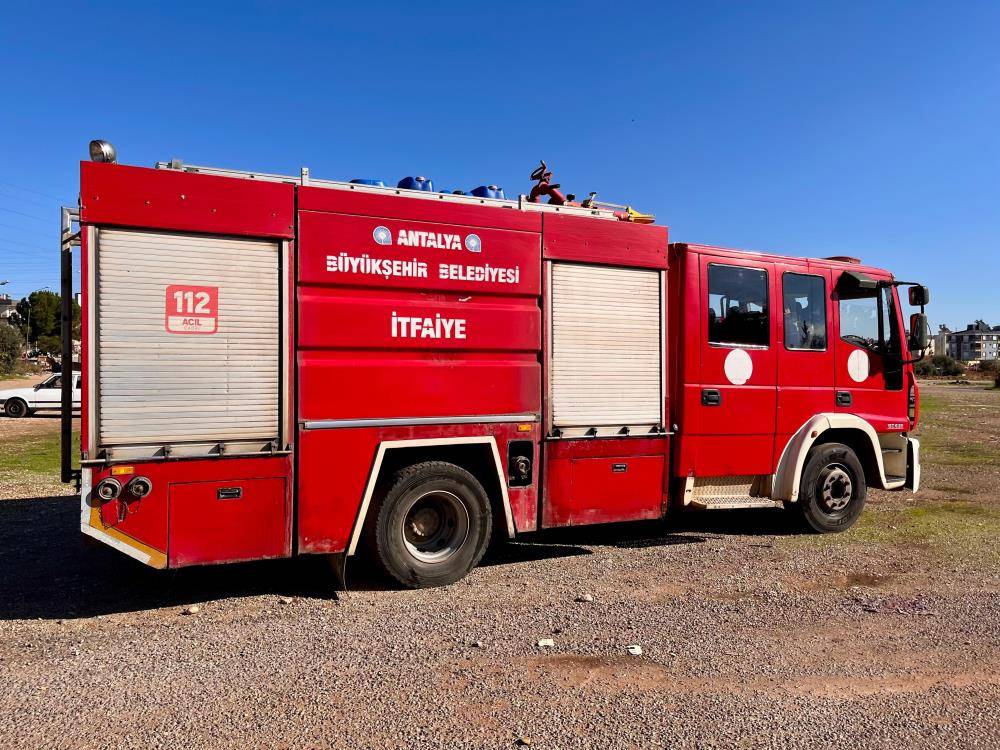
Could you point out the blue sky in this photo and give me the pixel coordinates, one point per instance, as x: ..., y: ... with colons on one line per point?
x: 867, y: 129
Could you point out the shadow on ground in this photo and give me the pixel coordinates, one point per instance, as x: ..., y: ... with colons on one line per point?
x: 49, y: 570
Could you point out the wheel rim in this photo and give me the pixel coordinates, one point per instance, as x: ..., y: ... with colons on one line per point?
x: 836, y: 488
x: 435, y: 526
x: 15, y: 409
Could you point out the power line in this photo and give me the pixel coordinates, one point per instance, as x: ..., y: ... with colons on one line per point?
x: 34, y: 247
x: 21, y: 213
x: 30, y: 200
x: 35, y: 231
x: 30, y: 190
x: 24, y: 254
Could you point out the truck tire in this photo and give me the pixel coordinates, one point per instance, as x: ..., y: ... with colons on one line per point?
x: 433, y: 525
x: 833, y: 490
x: 15, y: 408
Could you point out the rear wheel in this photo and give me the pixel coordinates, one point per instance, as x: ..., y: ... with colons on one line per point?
x: 433, y: 525
x: 15, y: 408
x: 833, y: 490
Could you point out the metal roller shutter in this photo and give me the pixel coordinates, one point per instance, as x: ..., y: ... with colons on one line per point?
x: 606, y: 347
x: 157, y: 387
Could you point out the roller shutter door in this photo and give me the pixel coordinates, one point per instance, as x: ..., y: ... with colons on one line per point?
x: 160, y: 387
x: 606, y: 347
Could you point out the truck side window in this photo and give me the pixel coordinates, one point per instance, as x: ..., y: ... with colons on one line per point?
x: 737, y: 306
x: 869, y: 320
x: 804, y: 311
x: 859, y: 321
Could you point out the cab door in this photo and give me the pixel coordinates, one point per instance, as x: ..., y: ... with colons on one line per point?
x: 805, y: 351
x: 868, y: 369
x: 734, y: 403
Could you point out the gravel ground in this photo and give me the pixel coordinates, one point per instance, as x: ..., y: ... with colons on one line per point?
x: 752, y: 634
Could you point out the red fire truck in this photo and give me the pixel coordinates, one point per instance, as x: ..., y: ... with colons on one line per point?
x: 277, y: 366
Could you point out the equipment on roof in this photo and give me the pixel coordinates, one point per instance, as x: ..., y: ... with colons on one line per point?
x: 103, y: 151
x: 364, y: 181
x: 417, y: 183
x: 489, y: 191
x: 545, y: 186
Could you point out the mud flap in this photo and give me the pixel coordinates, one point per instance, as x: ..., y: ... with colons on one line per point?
x: 338, y: 567
x: 912, y: 465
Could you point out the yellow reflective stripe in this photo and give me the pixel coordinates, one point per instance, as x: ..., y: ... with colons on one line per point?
x: 157, y: 559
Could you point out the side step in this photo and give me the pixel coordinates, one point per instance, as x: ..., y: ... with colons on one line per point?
x: 718, y: 493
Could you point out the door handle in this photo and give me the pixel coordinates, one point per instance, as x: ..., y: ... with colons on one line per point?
x: 844, y: 398
x: 229, y: 493
x: 711, y: 397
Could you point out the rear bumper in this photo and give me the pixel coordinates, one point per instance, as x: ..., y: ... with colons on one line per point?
x: 912, y: 465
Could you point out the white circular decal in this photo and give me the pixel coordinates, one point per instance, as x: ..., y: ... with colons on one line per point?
x: 739, y: 367
x: 857, y: 366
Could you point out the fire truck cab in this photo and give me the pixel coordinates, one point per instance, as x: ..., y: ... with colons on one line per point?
x: 276, y: 366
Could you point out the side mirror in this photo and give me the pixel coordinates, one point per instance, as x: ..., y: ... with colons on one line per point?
x: 919, y: 296
x: 919, y: 335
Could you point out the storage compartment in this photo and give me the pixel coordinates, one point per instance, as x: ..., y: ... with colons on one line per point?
x: 188, y: 335
x: 604, y: 490
x: 606, y: 369
x: 228, y: 521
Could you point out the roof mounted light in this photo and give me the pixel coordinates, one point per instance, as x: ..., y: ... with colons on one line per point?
x: 103, y: 151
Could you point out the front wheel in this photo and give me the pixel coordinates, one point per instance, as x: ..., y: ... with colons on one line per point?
x: 15, y: 408
x: 433, y: 525
x: 833, y: 490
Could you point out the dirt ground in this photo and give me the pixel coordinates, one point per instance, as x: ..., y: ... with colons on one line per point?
x: 752, y: 633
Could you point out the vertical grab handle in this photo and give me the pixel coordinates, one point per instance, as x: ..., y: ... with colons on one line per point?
x: 67, y: 239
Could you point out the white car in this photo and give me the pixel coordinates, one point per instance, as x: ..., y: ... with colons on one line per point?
x: 20, y: 402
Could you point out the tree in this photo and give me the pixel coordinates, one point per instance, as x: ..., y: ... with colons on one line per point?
x: 10, y: 348
x: 39, y: 312
x: 39, y: 315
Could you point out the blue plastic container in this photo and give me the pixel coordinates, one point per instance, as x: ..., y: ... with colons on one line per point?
x: 417, y: 183
x: 360, y: 181
x: 489, y: 191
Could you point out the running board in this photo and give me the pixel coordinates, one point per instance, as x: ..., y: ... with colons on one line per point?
x: 721, y: 493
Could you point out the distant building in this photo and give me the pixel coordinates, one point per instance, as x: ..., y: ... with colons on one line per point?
x: 7, y: 307
x: 976, y: 343
x: 939, y: 341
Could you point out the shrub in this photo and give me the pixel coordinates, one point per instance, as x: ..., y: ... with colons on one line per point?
x: 10, y: 348
x: 49, y: 344
x: 945, y: 365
